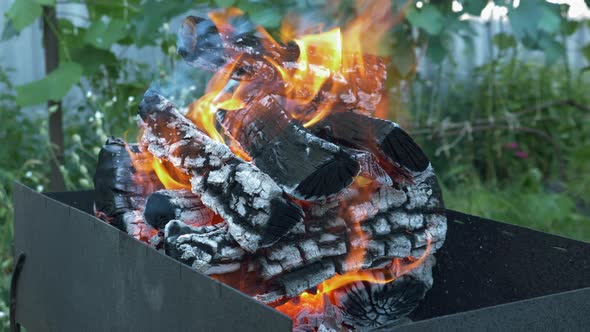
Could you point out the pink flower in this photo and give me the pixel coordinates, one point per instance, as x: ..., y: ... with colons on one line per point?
x: 521, y: 154
x: 511, y: 145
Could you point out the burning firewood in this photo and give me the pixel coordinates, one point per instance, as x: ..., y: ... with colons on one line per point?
x: 397, y: 152
x: 163, y: 206
x: 329, y: 215
x: 305, y: 166
x: 259, y: 58
x: 121, y: 190
x: 250, y: 202
x: 396, y: 226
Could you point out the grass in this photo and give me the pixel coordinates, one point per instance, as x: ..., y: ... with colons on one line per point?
x: 545, y: 211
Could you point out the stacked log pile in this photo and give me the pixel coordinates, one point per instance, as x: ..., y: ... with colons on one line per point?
x: 348, y: 194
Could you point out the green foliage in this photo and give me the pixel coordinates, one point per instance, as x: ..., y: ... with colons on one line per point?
x: 52, y: 87
x: 24, y: 12
x: 428, y: 18
x: 105, y: 32
x: 511, y: 143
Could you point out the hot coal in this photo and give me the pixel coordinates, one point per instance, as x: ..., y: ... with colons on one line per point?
x: 395, y: 149
x: 120, y: 190
x: 305, y: 166
x: 254, y: 206
x: 163, y: 206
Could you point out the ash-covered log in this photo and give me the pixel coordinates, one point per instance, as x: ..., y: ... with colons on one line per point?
x: 395, y: 224
x: 255, y: 208
x: 209, y: 249
x: 305, y: 166
x: 254, y: 57
x: 121, y: 190
x: 165, y: 205
x: 397, y: 152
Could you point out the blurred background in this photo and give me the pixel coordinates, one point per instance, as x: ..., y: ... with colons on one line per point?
x: 496, y: 92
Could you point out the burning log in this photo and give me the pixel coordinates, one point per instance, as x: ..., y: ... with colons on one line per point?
x: 305, y: 166
x: 397, y: 152
x: 163, y: 206
x: 396, y: 226
x: 254, y: 57
x: 252, y: 204
x: 121, y: 190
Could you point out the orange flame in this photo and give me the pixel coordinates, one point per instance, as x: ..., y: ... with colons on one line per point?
x: 330, y: 65
x: 145, y: 163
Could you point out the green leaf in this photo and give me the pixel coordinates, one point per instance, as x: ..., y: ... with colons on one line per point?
x: 224, y: 3
x: 9, y: 31
x: 44, y: 2
x: 550, y: 21
x: 428, y: 18
x: 525, y: 18
x: 474, y: 7
x: 52, y: 87
x: 403, y: 56
x: 586, y: 51
x: 155, y: 12
x: 91, y: 58
x: 105, y: 32
x: 552, y: 49
x: 23, y: 12
x: 504, y: 41
x: 114, y: 8
x: 569, y: 27
x: 436, y: 51
x: 269, y: 18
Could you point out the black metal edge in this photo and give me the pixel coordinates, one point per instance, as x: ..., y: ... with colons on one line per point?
x: 517, y: 229
x: 233, y: 298
x: 457, y: 215
x: 567, y: 311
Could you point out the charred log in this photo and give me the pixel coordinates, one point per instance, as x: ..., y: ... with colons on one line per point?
x: 121, y: 190
x: 254, y: 206
x: 397, y: 152
x: 370, y: 168
x: 305, y: 166
x: 366, y: 304
x: 165, y: 205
